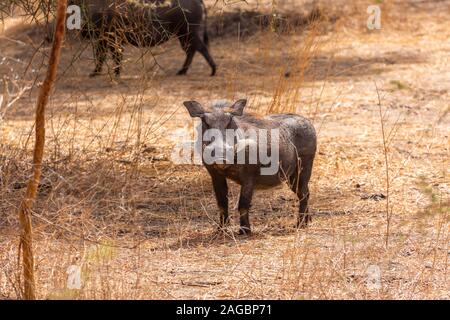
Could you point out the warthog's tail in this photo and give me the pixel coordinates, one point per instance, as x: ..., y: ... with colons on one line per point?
x: 205, y: 29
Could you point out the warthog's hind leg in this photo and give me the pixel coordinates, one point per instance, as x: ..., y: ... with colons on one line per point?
x: 203, y: 49
x: 188, y: 47
x: 299, y: 184
x: 192, y: 43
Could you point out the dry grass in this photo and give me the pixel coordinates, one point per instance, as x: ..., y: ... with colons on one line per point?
x: 141, y: 227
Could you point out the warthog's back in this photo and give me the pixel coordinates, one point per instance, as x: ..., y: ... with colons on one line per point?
x: 295, y: 130
x: 298, y: 130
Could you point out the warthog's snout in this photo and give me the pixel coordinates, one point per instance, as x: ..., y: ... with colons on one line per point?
x: 218, y: 153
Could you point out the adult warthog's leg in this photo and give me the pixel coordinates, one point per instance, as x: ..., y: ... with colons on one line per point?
x: 188, y: 47
x: 100, y: 48
x: 191, y: 44
x: 203, y: 49
x: 117, y: 55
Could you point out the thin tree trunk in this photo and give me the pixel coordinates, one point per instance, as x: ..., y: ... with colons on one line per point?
x: 26, y: 237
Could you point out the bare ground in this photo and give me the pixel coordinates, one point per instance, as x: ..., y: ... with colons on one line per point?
x: 141, y: 227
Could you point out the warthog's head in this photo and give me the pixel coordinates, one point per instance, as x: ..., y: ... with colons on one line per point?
x: 219, y: 130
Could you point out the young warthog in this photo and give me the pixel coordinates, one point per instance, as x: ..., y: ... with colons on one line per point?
x: 255, y: 152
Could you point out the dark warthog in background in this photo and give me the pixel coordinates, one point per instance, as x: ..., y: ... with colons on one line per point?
x: 296, y: 149
x: 111, y: 24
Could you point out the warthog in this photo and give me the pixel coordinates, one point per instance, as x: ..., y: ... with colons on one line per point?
x: 291, y: 143
x: 111, y: 24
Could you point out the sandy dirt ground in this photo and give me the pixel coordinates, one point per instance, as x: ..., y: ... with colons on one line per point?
x: 142, y: 227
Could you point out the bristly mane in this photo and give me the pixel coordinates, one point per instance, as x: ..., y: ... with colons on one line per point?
x: 248, y: 117
x: 220, y: 104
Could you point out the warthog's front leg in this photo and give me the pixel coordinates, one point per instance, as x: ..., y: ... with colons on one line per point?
x: 221, y: 191
x: 245, y: 200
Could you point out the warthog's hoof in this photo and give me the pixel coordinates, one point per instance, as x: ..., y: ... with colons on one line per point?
x: 213, y: 72
x: 303, y: 221
x: 244, y: 231
x: 182, y: 72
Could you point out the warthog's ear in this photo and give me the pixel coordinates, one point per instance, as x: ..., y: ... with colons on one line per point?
x: 195, y: 109
x: 237, y: 109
